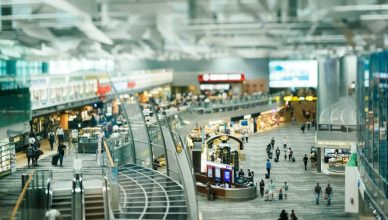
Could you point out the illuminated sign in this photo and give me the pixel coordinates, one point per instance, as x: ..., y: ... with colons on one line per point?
x: 227, y: 176
x: 222, y: 77
x: 214, y: 87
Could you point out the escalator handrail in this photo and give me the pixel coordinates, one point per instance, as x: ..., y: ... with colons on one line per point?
x: 21, y: 196
x: 77, y: 188
x: 107, y: 206
x: 49, y: 192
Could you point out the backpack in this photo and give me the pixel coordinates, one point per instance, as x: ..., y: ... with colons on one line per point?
x: 30, y: 151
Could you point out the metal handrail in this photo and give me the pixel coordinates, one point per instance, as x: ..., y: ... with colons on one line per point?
x: 49, y: 191
x: 21, y: 196
x: 78, y: 190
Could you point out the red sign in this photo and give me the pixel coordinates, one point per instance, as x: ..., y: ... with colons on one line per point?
x: 131, y: 84
x: 103, y: 89
x: 222, y: 77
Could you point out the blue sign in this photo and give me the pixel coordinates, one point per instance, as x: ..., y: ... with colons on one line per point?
x: 227, y: 175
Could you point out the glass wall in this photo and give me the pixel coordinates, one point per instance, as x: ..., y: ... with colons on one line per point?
x: 372, y: 123
x: 336, y: 92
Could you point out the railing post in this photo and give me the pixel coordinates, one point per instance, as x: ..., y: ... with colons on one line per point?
x: 115, y: 200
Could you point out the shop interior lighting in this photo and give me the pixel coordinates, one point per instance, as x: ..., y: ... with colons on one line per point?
x: 347, y: 8
x: 374, y: 17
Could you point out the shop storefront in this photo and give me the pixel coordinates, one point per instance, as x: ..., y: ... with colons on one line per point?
x: 7, y: 157
x: 222, y: 85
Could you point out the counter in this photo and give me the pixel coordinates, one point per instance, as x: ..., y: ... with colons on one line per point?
x: 237, y: 194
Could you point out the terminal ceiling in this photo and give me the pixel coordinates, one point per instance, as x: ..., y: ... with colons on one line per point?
x: 190, y: 29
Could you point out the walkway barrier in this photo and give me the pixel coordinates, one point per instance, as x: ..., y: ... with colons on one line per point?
x: 33, y: 199
x: 234, y: 104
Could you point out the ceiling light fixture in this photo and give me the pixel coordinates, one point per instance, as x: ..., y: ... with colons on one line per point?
x: 346, y: 8
x: 374, y: 17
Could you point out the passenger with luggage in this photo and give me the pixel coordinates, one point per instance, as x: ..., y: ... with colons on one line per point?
x: 61, y: 152
x: 277, y: 154
x: 271, y: 190
x: 329, y: 194
x: 262, y: 185
x: 318, y: 193
x: 268, y: 167
x: 305, y: 159
x: 285, y: 190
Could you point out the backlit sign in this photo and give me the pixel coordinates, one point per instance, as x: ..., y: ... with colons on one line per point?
x: 222, y: 77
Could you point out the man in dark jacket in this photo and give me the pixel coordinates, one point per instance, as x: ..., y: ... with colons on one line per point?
x: 61, y: 152
x: 305, y: 159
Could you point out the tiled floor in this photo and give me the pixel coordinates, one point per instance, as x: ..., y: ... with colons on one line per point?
x: 301, y: 183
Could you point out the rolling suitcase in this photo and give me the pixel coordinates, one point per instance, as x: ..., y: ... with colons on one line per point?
x: 267, y: 176
x: 54, y: 160
x: 276, y: 160
x: 293, y: 159
x: 280, y: 196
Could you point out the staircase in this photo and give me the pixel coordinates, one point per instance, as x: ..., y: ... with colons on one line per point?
x: 94, y: 204
x: 62, y: 202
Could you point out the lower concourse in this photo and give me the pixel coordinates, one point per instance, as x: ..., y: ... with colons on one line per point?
x: 140, y: 109
x: 301, y: 195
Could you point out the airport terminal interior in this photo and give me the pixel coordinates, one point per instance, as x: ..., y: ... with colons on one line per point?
x: 193, y: 109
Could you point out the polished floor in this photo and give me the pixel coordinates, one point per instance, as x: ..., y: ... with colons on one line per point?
x: 301, y: 183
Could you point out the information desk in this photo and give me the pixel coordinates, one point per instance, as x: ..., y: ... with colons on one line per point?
x: 238, y: 192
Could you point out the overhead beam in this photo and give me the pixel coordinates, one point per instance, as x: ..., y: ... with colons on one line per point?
x: 85, y: 24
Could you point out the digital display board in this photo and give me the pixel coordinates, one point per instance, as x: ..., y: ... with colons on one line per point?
x: 293, y: 73
x: 217, y: 173
x: 227, y: 175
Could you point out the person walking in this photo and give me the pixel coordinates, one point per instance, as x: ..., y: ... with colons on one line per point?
x: 293, y: 216
x: 303, y: 127
x: 262, y: 185
x: 30, y: 155
x: 285, y: 190
x: 329, y: 194
x: 61, y: 152
x: 289, y: 154
x: 305, y: 159
x: 284, y: 142
x: 60, y: 134
x: 277, y: 153
x: 51, y: 139
x: 53, y: 214
x: 268, y: 167
x: 285, y: 155
x: 210, y: 194
x: 273, y: 142
x: 271, y: 189
x: 308, y: 125
x: 318, y: 193
x: 37, y: 153
x: 241, y: 174
x: 283, y: 215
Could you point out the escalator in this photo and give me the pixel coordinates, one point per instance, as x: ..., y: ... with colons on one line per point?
x: 94, y: 204
x: 62, y: 201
